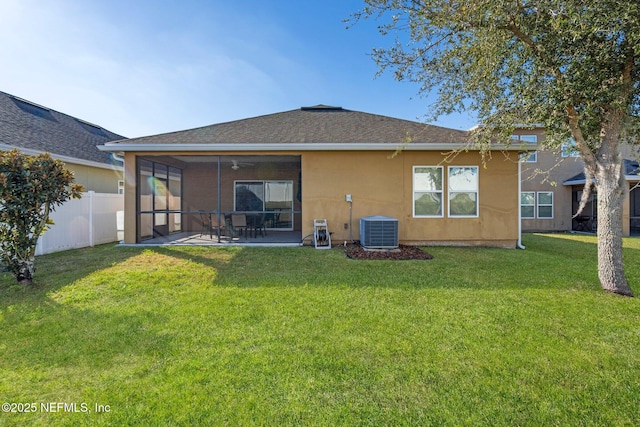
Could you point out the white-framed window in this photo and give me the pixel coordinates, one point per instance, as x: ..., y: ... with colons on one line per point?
x: 545, y: 204
x: 568, y: 149
x: 463, y: 191
x: 427, y: 191
x: 530, y: 156
x: 536, y: 205
x: 120, y: 186
x: 528, y: 138
x: 528, y: 204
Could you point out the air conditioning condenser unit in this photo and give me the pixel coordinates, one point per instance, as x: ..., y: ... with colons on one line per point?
x: 379, y: 232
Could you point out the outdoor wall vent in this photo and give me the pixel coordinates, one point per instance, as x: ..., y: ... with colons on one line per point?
x: 379, y: 232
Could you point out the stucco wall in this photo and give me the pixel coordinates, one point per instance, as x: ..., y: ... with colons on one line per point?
x: 130, y: 203
x: 96, y: 179
x: 547, y: 174
x: 380, y: 185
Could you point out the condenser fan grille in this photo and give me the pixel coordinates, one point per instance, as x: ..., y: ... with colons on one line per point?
x: 379, y: 232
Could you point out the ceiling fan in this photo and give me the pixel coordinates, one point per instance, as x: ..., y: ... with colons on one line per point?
x: 237, y: 165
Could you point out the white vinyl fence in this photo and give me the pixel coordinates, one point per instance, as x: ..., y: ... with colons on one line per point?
x: 94, y: 219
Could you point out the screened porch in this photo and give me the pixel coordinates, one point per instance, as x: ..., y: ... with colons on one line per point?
x: 218, y: 199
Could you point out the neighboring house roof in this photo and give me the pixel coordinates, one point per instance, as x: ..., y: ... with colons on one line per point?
x: 309, y: 128
x: 33, y: 128
x: 631, y: 173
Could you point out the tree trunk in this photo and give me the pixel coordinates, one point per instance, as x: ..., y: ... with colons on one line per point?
x: 610, y: 185
x: 26, y: 269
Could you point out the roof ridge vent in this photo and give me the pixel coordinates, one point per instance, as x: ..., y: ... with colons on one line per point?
x: 87, y: 123
x: 17, y: 98
x: 322, y: 107
x: 33, y: 108
x: 90, y: 127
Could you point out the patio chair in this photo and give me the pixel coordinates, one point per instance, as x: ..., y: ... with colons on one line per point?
x: 239, y: 223
x: 210, y: 224
x: 259, y: 225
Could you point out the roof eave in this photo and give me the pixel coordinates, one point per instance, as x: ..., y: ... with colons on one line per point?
x: 516, y: 126
x: 574, y: 182
x: 583, y: 181
x: 65, y: 159
x: 436, y: 146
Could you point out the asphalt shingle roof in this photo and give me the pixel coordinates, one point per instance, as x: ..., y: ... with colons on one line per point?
x: 318, y: 124
x: 30, y: 126
x: 631, y: 168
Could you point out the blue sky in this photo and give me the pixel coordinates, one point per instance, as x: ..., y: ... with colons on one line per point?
x: 150, y: 66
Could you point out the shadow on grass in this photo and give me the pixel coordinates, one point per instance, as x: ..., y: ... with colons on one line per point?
x: 61, y: 268
x: 551, y: 261
x: 215, y: 257
x: 562, y: 261
x: 159, y: 341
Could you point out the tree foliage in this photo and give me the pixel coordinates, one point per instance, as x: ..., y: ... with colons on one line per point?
x: 571, y: 66
x: 30, y: 188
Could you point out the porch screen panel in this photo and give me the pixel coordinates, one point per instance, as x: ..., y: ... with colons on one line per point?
x: 635, y: 201
x: 279, y: 197
x: 160, y: 184
x: 159, y: 198
x: 145, y: 198
x: 273, y: 197
x: 175, y: 199
x: 249, y: 196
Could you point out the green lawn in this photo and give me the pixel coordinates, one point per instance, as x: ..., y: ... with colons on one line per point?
x: 297, y: 336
